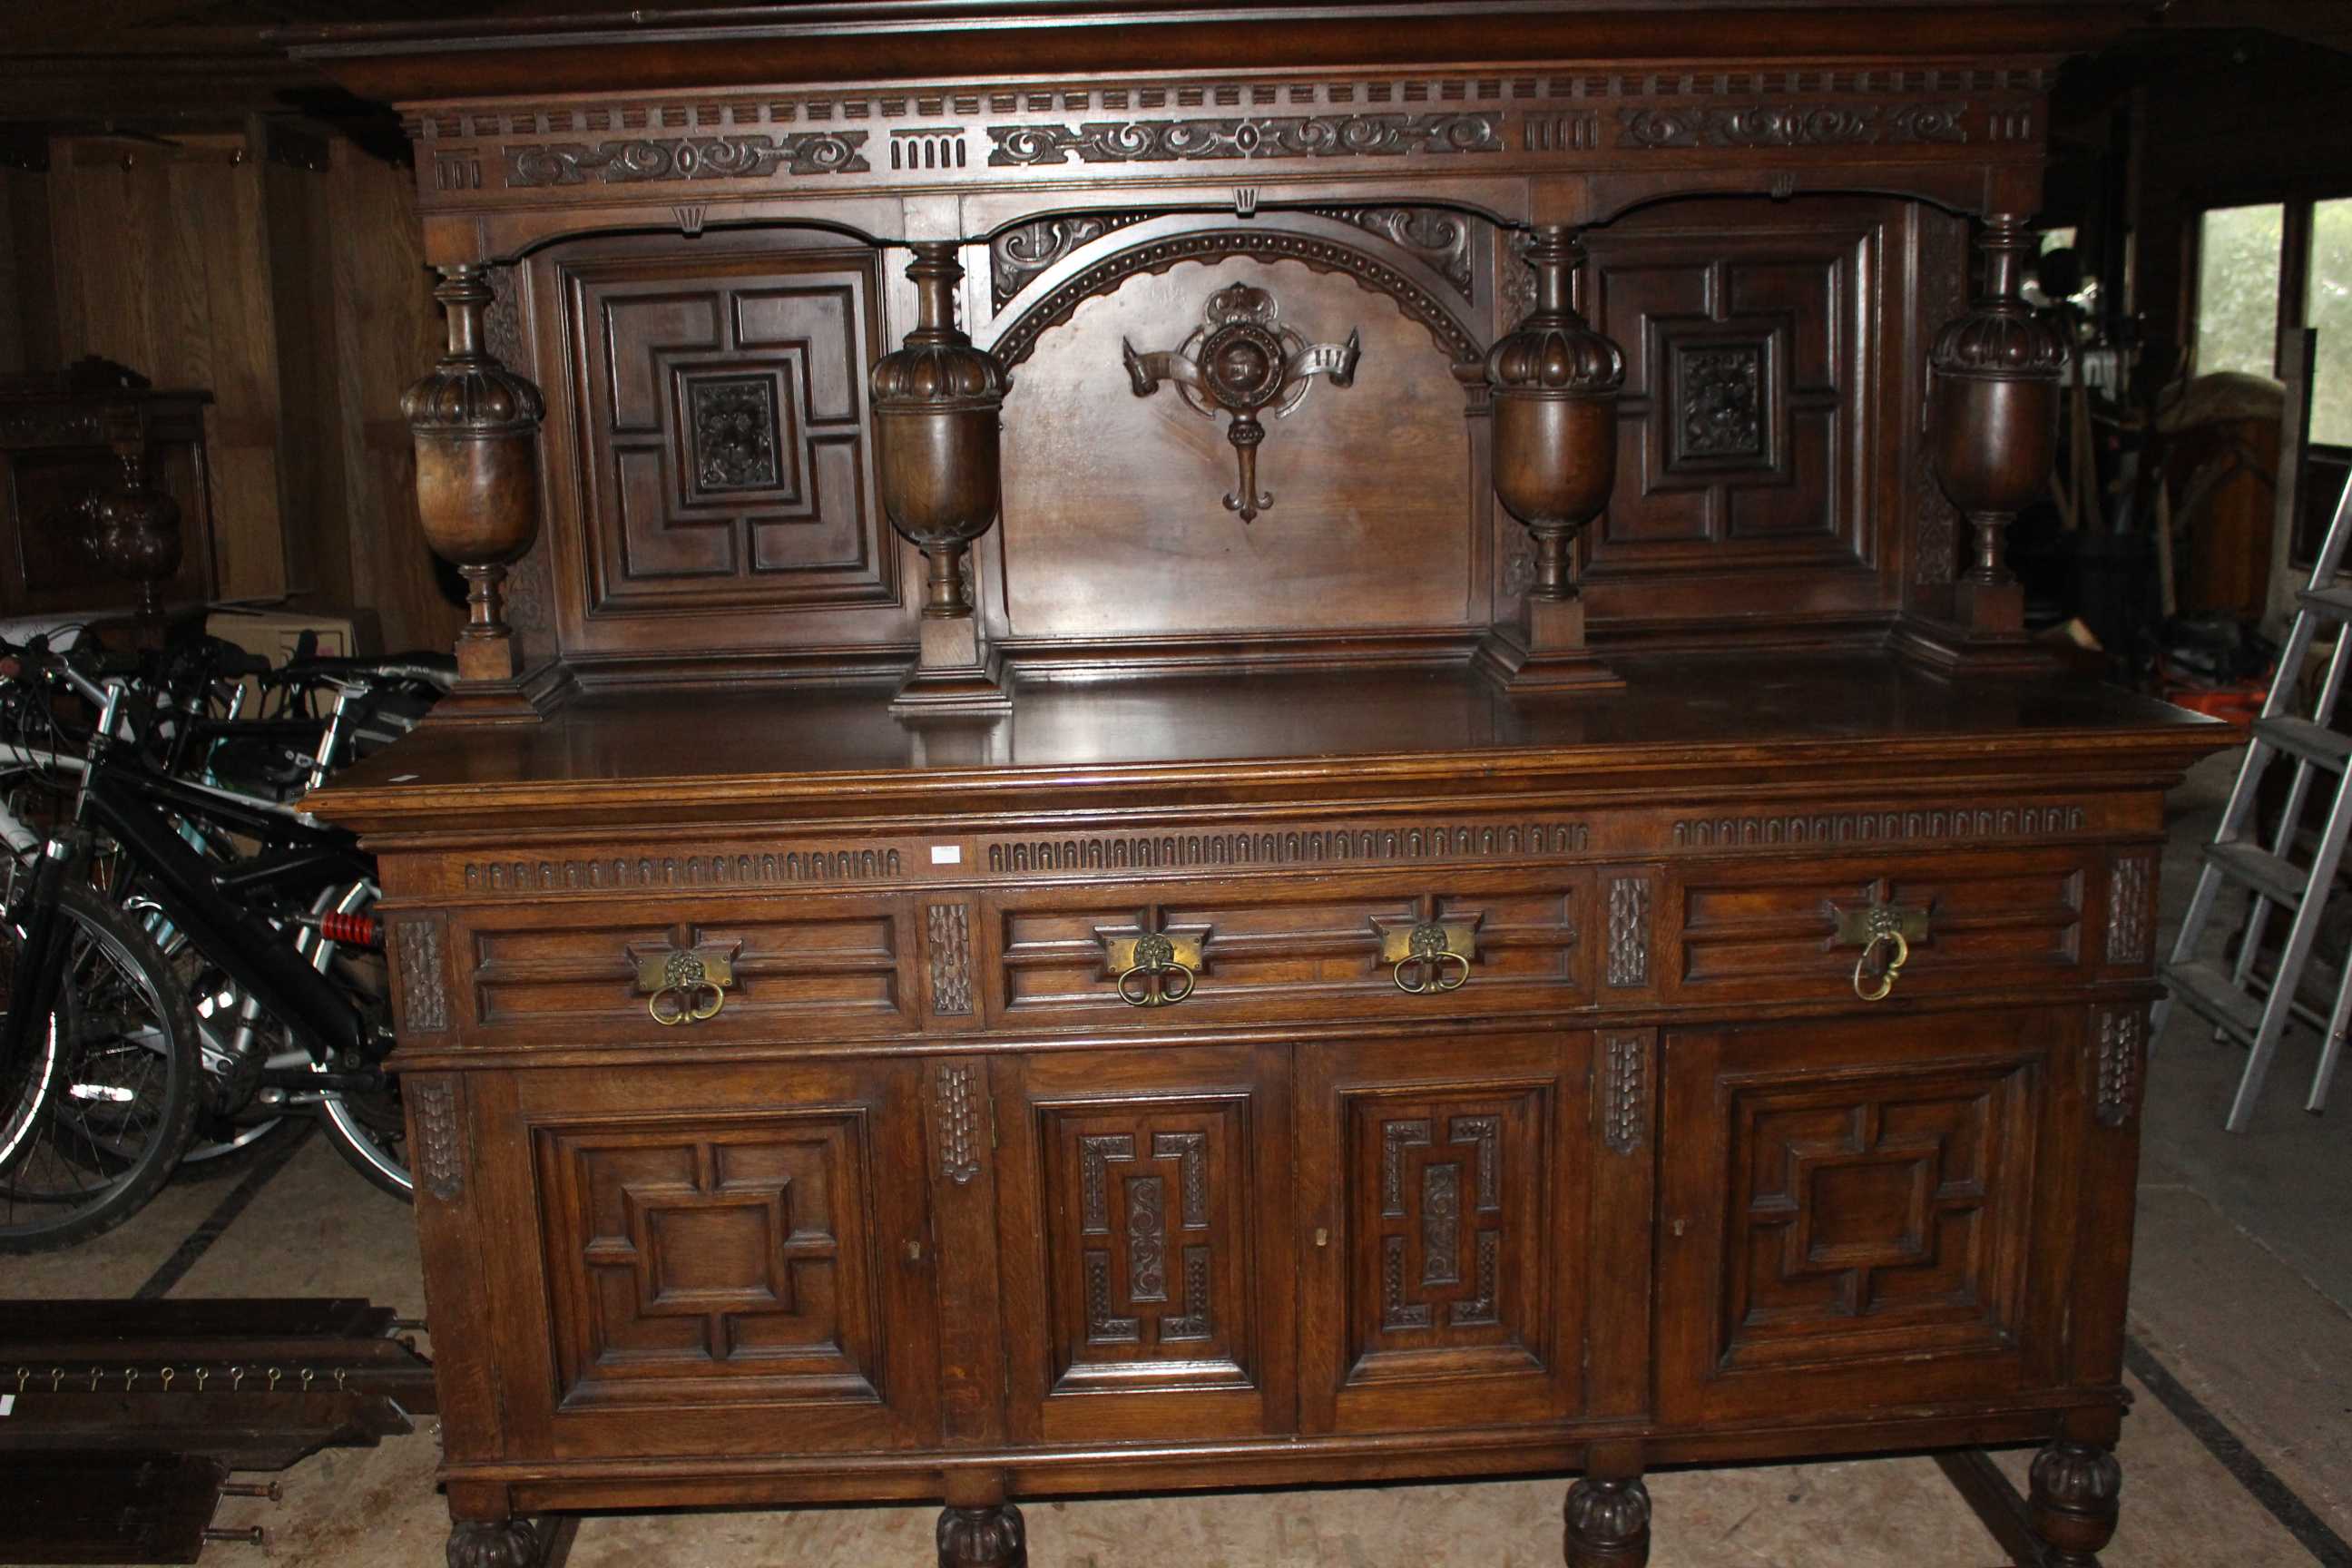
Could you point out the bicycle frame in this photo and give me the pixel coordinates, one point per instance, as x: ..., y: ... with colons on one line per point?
x: 136, y: 807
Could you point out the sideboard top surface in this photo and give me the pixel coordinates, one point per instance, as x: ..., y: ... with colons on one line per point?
x: 836, y: 751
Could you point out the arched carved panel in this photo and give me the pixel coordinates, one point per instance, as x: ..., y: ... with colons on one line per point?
x: 1451, y: 335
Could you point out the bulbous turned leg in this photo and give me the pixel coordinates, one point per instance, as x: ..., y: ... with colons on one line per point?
x: 2074, y: 1503
x: 522, y: 1543
x: 982, y: 1538
x: 1608, y: 1524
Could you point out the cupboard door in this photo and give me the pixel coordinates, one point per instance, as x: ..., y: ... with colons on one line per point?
x: 1844, y: 1200
x: 1145, y: 1214
x: 1444, y: 1190
x: 724, y: 1263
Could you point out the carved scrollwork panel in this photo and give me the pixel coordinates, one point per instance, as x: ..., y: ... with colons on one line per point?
x: 1245, y: 137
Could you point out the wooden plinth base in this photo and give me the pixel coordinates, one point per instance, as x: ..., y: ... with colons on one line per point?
x: 955, y: 675
x: 1954, y: 654
x: 1544, y: 654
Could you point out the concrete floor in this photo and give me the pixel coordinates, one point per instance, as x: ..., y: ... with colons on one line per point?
x: 2239, y: 1449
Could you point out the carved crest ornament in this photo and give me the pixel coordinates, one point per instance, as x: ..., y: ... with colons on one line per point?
x: 1246, y: 361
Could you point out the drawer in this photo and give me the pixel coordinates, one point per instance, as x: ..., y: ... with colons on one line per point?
x: 1300, y: 947
x: 1785, y: 930
x: 776, y: 968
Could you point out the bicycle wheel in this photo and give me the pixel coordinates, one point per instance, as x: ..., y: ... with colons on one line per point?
x: 110, y: 1101
x: 369, y: 1128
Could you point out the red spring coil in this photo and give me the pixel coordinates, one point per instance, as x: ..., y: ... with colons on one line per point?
x: 354, y: 930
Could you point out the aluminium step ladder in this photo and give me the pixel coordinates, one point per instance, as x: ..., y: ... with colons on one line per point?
x: 2233, y: 997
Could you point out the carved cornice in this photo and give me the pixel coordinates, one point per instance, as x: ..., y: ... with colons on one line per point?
x: 934, y: 110
x: 1451, y: 337
x: 660, y: 160
x: 1247, y: 136
x: 1791, y: 124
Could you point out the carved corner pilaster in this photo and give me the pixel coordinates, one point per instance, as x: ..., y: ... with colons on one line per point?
x: 1627, y: 1074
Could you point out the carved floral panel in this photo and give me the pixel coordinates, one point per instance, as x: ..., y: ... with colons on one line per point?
x: 1444, y: 1194
x: 1147, y: 1207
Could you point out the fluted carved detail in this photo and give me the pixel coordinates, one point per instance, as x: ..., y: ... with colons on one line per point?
x: 2077, y: 1495
x: 500, y: 1544
x: 475, y: 424
x: 982, y: 1538
x: 1608, y: 1524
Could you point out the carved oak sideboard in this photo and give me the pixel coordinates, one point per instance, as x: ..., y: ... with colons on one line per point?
x: 1227, y: 748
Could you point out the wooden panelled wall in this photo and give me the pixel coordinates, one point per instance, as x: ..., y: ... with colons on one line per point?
x: 281, y: 271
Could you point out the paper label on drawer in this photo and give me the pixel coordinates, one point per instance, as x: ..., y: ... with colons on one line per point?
x: 947, y: 854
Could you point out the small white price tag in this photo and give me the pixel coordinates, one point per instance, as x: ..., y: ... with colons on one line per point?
x: 947, y: 854
x: 7, y: 1403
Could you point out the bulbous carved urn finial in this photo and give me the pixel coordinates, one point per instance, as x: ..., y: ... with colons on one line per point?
x: 1555, y: 383
x: 1993, y: 425
x: 938, y: 404
x: 475, y: 424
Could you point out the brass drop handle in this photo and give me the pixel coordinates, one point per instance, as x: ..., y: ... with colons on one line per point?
x: 1886, y: 932
x: 1430, y: 959
x: 1884, y: 986
x: 684, y: 985
x: 1155, y: 969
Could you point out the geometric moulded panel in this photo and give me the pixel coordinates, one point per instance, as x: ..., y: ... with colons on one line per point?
x: 722, y: 432
x: 692, y: 1258
x: 1875, y: 1218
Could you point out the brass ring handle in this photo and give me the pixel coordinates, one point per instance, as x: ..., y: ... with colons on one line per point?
x: 1175, y: 985
x: 687, y: 1004
x: 684, y: 985
x: 1431, y: 977
x: 1885, y: 986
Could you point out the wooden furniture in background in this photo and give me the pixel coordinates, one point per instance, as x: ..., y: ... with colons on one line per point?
x: 105, y: 494
x: 280, y: 267
x: 1282, y: 1035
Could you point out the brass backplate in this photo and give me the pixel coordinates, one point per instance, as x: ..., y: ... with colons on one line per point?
x: 1460, y: 937
x: 654, y: 973
x: 1858, y: 925
x: 1118, y: 952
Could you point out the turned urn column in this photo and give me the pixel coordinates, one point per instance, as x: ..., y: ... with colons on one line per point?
x: 1554, y: 384
x: 475, y: 424
x: 1993, y: 425
x: 938, y: 403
